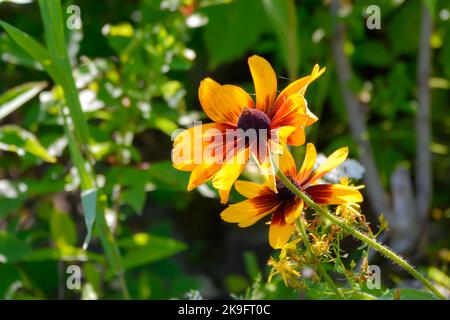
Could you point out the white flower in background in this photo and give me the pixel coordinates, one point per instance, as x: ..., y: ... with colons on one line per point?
x: 193, y: 295
x: 350, y: 168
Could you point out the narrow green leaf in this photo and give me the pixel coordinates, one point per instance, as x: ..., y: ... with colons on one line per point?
x: 34, y: 49
x: 16, y: 139
x: 16, y: 97
x: 89, y: 202
x: 283, y: 17
x: 144, y: 248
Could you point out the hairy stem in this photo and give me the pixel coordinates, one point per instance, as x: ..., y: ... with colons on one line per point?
x: 302, y: 231
x: 359, y: 235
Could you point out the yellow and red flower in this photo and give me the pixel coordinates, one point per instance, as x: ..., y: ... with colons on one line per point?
x: 231, y: 108
x: 285, y: 206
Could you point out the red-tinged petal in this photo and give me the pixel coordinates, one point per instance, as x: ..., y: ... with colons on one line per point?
x: 291, y: 109
x: 248, y: 212
x: 333, y: 194
x: 190, y: 144
x: 292, y: 210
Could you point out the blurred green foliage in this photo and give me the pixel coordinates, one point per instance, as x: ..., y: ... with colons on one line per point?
x: 137, y: 66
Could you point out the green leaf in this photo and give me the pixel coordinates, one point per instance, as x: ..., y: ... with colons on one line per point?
x: 68, y: 254
x: 233, y: 29
x: 135, y: 197
x: 14, y: 98
x: 12, y: 249
x: 251, y: 264
x: 14, y: 54
x: 403, y: 26
x: 373, y: 53
x: 89, y: 202
x: 16, y: 139
x: 282, y: 15
x: 63, y: 230
x: 34, y: 49
x: 409, y: 294
x: 144, y: 248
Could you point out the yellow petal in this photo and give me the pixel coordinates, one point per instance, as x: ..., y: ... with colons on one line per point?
x: 299, y: 86
x: 308, y: 163
x: 228, y: 174
x: 265, y: 82
x: 280, y: 135
x: 223, y: 104
x: 249, y: 189
x: 334, y: 160
x: 334, y: 194
x: 279, y: 230
x: 267, y: 169
x: 293, y: 210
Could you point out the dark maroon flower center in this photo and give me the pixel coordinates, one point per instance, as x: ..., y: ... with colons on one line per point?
x: 253, y: 119
x: 284, y: 193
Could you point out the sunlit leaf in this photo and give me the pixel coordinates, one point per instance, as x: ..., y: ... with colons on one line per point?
x: 16, y: 139
x: 63, y: 230
x: 14, y: 98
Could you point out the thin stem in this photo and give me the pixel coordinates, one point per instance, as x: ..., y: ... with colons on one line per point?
x: 357, y: 234
x: 302, y: 231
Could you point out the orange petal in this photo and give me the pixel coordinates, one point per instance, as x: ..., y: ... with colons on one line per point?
x: 308, y: 163
x: 299, y: 86
x: 334, y: 160
x: 333, y: 194
x: 265, y: 82
x: 249, y: 189
x: 279, y: 231
x: 223, y: 104
x: 294, y: 106
x: 201, y: 174
x: 250, y: 211
x: 298, y: 137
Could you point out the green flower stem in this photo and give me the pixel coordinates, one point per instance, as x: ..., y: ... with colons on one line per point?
x: 302, y: 231
x: 357, y: 234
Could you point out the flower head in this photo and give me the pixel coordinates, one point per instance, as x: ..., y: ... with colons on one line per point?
x: 284, y: 206
x: 225, y: 145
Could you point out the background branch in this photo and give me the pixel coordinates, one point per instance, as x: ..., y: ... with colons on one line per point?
x: 423, y: 126
x: 356, y: 120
